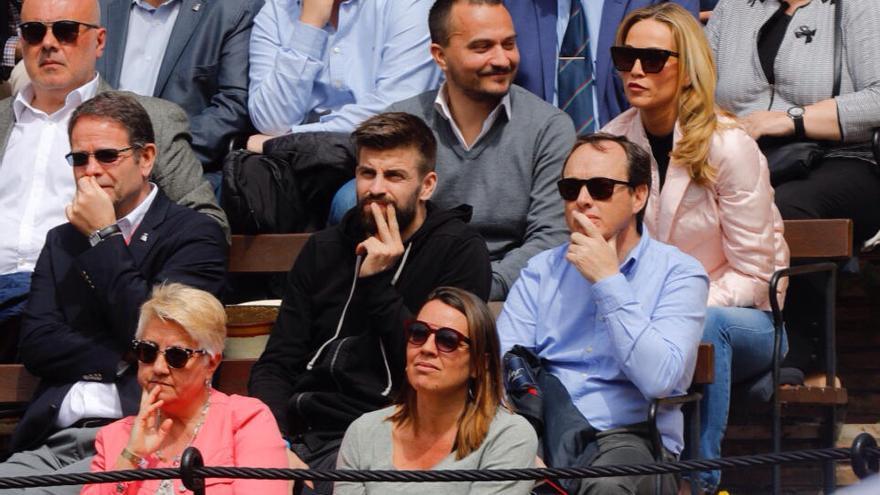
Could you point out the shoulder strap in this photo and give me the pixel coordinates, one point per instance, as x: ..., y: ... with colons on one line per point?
x: 838, y: 45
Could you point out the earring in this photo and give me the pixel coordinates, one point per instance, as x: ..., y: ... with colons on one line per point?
x: 471, y: 388
x: 208, y: 382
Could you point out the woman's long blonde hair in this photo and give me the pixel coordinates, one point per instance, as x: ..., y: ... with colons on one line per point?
x: 696, y: 80
x: 486, y: 390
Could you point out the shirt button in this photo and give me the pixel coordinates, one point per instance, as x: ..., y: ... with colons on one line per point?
x: 584, y: 375
x: 336, y: 49
x: 337, y: 84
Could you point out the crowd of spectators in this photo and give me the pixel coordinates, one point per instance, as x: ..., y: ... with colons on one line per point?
x: 599, y: 168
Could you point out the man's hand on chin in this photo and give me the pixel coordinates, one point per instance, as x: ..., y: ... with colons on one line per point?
x: 92, y: 208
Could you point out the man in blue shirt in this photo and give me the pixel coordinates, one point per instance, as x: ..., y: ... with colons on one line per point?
x: 614, y: 315
x: 319, y: 65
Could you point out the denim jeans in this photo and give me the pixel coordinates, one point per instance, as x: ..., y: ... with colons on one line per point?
x: 344, y: 200
x: 743, y: 340
x: 14, y: 289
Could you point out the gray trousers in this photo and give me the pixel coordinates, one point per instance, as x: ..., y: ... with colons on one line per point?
x: 67, y: 451
x: 616, y: 448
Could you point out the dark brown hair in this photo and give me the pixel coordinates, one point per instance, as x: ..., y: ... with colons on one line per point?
x: 121, y: 108
x: 392, y: 130
x: 438, y: 17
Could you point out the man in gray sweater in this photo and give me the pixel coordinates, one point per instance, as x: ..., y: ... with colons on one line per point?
x: 500, y: 148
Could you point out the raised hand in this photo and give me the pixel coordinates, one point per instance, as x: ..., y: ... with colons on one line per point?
x: 92, y: 208
x: 385, y: 247
x: 593, y: 256
x: 148, y: 432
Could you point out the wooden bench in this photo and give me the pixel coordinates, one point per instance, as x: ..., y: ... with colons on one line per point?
x: 815, y: 246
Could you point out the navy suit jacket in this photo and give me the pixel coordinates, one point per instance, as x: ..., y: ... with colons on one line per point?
x: 204, y: 70
x: 83, y: 307
x: 535, y: 24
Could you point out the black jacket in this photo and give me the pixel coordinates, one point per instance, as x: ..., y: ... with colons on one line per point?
x: 84, y: 302
x: 318, y: 376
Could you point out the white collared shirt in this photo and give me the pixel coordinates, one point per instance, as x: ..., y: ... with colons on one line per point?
x: 149, y: 30
x: 36, y: 182
x: 129, y: 223
x: 442, y: 106
x: 96, y: 399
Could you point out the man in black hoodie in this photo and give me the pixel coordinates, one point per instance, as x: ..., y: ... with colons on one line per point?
x: 337, y: 349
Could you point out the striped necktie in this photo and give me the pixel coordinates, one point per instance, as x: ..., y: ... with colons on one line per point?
x: 575, y: 78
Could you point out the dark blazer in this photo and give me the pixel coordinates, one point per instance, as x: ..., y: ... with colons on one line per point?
x: 176, y: 171
x: 83, y: 307
x: 535, y: 23
x: 204, y: 70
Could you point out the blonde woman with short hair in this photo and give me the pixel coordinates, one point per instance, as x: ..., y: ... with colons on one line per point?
x: 178, y: 345
x: 710, y: 196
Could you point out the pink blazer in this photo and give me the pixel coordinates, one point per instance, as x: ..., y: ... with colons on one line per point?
x: 732, y: 226
x: 238, y: 431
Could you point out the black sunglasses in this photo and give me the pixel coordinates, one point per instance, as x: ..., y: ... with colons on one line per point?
x: 446, y: 339
x: 63, y: 31
x: 653, y: 59
x: 148, y: 351
x: 107, y: 156
x: 600, y: 188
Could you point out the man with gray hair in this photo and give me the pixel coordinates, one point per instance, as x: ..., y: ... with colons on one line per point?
x: 123, y: 237
x: 61, y: 41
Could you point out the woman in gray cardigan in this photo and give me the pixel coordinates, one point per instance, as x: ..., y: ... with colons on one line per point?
x: 450, y: 414
x: 776, y: 69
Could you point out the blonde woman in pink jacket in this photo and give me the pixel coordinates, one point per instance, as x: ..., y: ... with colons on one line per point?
x: 179, y: 344
x: 710, y: 197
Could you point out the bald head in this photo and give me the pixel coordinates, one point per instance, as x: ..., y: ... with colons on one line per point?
x: 56, y: 68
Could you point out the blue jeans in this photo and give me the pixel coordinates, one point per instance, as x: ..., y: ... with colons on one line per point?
x: 14, y: 290
x: 344, y: 200
x: 743, y: 340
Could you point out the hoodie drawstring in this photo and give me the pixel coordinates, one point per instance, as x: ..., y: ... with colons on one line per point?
x: 357, y: 270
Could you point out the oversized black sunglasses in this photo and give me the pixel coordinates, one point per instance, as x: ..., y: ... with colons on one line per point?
x: 63, y: 31
x: 600, y: 188
x: 653, y: 59
x: 446, y: 339
x: 148, y: 351
x: 107, y: 156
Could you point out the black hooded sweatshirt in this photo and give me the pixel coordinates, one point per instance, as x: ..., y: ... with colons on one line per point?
x: 337, y: 349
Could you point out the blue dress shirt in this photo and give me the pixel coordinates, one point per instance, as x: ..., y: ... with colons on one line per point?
x: 620, y: 342
x: 308, y: 79
x: 149, y: 29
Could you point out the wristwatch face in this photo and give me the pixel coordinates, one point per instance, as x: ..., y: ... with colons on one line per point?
x: 796, y: 112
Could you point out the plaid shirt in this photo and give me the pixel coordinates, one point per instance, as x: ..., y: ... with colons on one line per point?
x: 9, y: 48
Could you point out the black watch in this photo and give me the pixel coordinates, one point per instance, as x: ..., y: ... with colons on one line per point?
x: 796, y: 114
x: 101, y: 234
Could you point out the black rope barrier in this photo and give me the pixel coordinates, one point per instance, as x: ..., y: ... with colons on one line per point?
x: 863, y: 454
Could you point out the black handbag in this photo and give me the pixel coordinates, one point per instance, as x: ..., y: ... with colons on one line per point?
x: 791, y: 160
x: 788, y: 159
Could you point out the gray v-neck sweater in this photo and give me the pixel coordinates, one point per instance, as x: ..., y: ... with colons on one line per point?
x: 511, y: 443
x: 509, y: 178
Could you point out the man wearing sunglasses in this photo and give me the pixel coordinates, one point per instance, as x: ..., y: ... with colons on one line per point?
x: 615, y: 317
x: 542, y: 27
x: 61, y: 40
x: 123, y: 237
x: 338, y: 349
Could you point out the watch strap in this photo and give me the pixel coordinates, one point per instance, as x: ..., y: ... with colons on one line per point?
x: 101, y: 234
